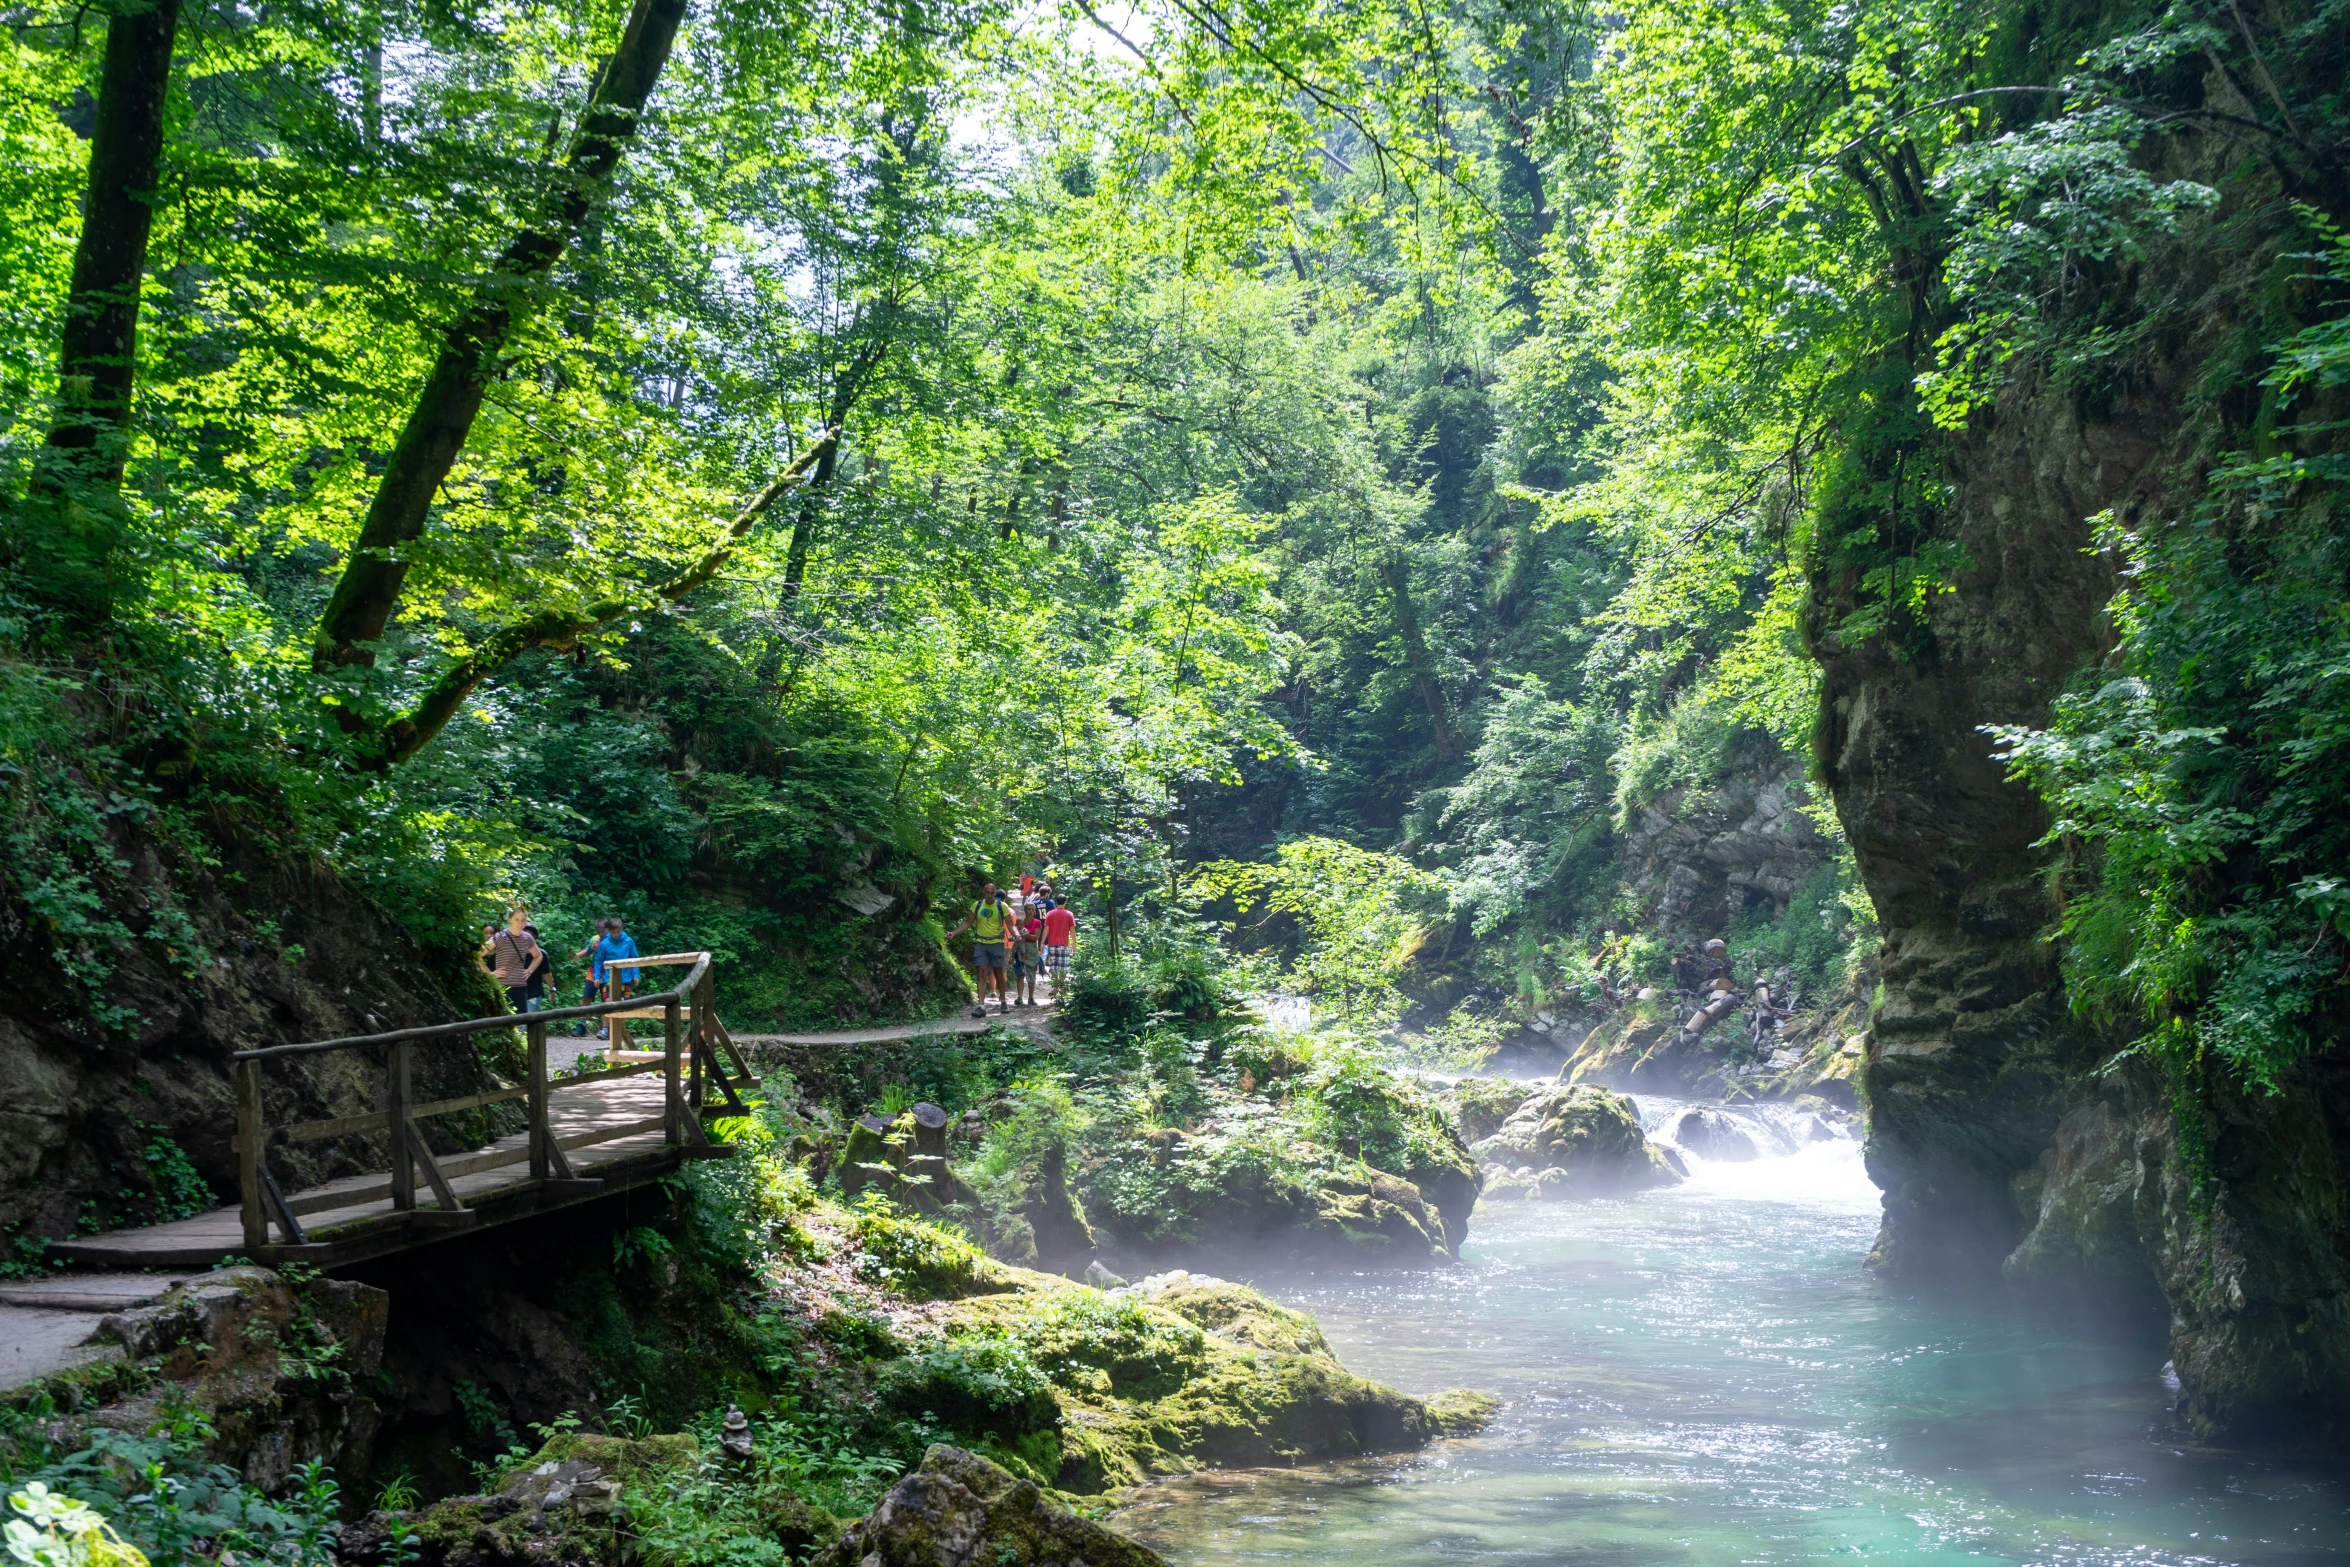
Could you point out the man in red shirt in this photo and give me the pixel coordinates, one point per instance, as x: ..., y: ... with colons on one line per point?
x: 1058, y: 923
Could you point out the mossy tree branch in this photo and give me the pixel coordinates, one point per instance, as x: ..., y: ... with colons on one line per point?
x: 562, y: 628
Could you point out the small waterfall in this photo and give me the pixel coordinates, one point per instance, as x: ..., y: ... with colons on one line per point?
x: 1761, y: 1151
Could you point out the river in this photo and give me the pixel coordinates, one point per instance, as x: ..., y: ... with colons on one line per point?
x: 1703, y: 1375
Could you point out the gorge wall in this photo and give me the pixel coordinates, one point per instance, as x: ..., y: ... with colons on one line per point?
x: 2001, y: 1145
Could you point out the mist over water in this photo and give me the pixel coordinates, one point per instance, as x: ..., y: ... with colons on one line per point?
x: 1704, y: 1375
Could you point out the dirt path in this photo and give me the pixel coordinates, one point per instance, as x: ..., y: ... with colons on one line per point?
x: 1032, y: 1019
x: 1037, y: 1019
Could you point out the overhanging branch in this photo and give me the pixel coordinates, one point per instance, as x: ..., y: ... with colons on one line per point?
x: 411, y: 733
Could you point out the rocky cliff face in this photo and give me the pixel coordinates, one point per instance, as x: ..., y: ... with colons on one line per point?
x: 1999, y: 1145
x: 1698, y: 862
x: 95, y: 1121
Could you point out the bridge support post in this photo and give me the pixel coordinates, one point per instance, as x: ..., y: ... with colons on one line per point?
x: 706, y: 1040
x: 396, y: 1057
x: 672, y: 1090
x: 250, y: 1212
x: 536, y: 1032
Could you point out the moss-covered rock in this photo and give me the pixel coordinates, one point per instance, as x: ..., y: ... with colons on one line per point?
x: 1183, y: 1373
x: 959, y: 1510
x: 1479, y: 1105
x: 1312, y: 1149
x: 564, y: 1507
x: 1241, y: 1315
x: 1459, y: 1411
x: 1243, y: 1190
x: 1580, y: 1141
x: 921, y: 1261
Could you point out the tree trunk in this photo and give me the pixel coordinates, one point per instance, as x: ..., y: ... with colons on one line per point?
x: 803, y: 527
x: 1395, y: 573
x: 70, y: 551
x: 443, y: 417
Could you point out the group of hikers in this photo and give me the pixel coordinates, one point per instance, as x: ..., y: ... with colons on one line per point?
x: 515, y: 959
x: 1015, y: 938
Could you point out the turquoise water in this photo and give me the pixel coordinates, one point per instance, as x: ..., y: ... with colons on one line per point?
x: 1703, y: 1375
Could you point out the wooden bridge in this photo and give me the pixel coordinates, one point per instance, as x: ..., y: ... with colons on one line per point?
x: 588, y: 1134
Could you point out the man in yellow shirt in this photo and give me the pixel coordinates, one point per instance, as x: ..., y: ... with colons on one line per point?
x: 990, y: 924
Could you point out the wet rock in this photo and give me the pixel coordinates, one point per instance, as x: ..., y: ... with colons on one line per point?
x: 1102, y: 1278
x: 1461, y: 1411
x: 1502, y: 1184
x: 1581, y: 1141
x: 959, y: 1510
x: 1709, y: 1134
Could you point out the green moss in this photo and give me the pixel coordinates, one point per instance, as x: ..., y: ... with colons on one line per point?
x: 983, y: 1384
x: 1481, y: 1104
x: 629, y: 1462
x: 921, y: 1261
x: 1459, y: 1411
x: 1203, y: 1374
x: 1088, y: 1342
x: 1242, y: 1316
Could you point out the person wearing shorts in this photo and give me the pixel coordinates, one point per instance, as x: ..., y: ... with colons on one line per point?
x: 990, y: 924
x: 1058, y: 923
x: 1028, y: 951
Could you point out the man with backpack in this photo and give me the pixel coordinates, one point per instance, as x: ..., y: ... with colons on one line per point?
x: 990, y: 924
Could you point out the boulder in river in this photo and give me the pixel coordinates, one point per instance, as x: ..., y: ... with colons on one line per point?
x: 1581, y: 1141
x: 1480, y: 1105
x: 959, y: 1510
x: 1710, y: 1134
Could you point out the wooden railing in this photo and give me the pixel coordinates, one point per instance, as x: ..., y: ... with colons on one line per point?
x: 692, y: 1038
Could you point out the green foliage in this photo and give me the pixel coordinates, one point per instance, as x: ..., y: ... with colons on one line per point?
x: 1089, y: 1343
x: 1020, y: 1155
x: 1526, y: 832
x: 1814, y: 943
x: 806, y: 1476
x: 983, y: 1384
x: 180, y: 1193
x: 919, y: 1260
x: 1359, y: 918
x: 158, y: 1492
x: 2198, y: 781
x: 1352, y: 1101
x: 1252, y: 1157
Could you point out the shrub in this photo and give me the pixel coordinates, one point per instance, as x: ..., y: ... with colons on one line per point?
x: 919, y: 1260
x: 1138, y: 1350
x: 984, y: 1384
